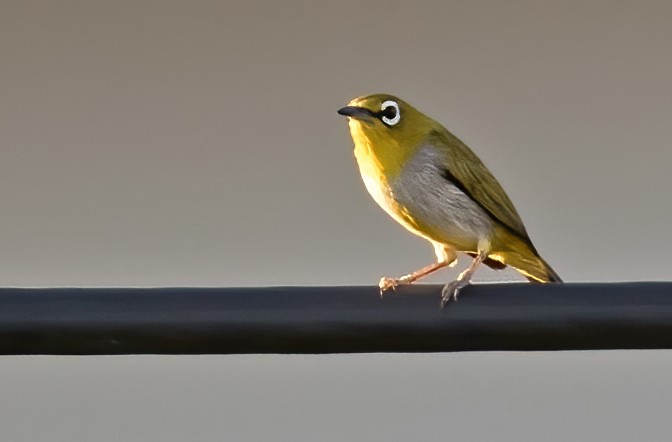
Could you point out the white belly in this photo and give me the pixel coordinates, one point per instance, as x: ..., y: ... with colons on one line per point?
x: 441, y: 211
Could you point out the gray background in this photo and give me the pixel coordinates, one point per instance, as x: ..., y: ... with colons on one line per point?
x: 197, y: 143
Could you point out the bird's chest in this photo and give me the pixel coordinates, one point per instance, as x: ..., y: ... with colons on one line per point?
x: 380, y: 189
x: 375, y: 174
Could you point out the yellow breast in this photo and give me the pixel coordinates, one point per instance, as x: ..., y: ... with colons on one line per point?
x: 379, y: 170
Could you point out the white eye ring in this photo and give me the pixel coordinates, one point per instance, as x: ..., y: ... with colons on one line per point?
x: 397, y: 116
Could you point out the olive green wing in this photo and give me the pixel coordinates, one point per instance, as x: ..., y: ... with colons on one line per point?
x: 463, y: 168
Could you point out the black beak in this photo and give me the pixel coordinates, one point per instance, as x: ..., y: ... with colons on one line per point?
x: 358, y: 113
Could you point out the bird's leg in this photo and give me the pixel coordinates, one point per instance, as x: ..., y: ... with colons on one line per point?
x: 451, y: 289
x: 392, y: 283
x: 446, y: 256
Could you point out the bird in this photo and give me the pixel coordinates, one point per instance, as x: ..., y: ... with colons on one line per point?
x: 435, y: 186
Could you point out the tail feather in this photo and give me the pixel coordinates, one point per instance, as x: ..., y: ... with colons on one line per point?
x: 518, y: 252
x: 533, y: 267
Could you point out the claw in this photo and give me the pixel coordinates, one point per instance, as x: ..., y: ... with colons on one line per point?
x: 451, y: 289
x: 386, y: 284
x: 449, y: 292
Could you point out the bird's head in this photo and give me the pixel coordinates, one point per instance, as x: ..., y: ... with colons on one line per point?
x: 386, y: 129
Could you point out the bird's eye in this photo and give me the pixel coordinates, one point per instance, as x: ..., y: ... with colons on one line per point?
x: 389, y: 113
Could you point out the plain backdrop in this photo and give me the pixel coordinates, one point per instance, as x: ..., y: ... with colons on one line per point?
x: 196, y: 143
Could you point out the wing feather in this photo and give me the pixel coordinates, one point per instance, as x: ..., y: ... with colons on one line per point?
x: 467, y: 172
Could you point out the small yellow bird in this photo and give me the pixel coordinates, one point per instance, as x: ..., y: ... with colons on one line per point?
x: 430, y: 182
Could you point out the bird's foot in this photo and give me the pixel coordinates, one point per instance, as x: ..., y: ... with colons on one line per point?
x: 450, y: 291
x: 386, y: 283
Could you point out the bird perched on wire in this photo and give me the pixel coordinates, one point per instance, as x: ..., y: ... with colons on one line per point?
x: 430, y: 182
